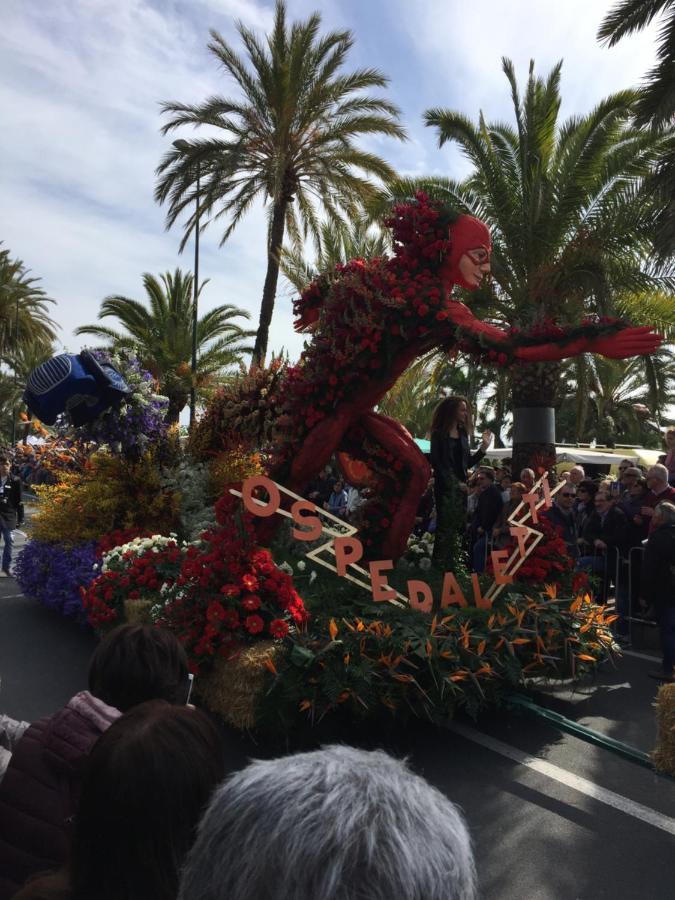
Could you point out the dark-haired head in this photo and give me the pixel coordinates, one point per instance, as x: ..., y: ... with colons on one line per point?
x: 134, y: 663
x: 451, y: 410
x: 148, y: 779
x: 587, y: 488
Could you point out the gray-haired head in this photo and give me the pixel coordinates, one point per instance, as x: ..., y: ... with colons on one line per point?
x: 658, y: 473
x: 665, y: 512
x: 335, y: 824
x: 577, y: 474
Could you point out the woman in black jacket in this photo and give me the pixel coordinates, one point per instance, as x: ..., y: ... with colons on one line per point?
x: 451, y: 458
x: 451, y: 453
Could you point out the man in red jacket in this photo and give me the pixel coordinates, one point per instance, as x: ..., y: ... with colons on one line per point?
x: 40, y: 790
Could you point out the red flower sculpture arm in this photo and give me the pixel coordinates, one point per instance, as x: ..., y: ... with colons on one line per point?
x: 607, y: 337
x: 627, y: 342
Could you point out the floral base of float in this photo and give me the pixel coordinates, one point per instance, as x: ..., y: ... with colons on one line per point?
x: 362, y: 658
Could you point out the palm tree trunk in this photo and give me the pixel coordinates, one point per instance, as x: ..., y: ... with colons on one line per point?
x: 177, y: 403
x: 271, y: 278
x: 533, y: 390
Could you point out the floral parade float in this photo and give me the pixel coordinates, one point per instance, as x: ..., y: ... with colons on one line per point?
x: 276, y: 639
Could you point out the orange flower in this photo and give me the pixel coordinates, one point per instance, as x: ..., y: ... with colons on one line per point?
x: 270, y: 665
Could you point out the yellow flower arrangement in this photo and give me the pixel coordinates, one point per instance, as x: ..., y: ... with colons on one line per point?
x: 108, y: 494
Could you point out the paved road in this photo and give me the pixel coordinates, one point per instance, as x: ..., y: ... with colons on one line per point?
x: 552, y: 817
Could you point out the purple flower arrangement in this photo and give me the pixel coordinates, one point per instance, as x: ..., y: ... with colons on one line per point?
x: 53, y: 574
x: 137, y: 424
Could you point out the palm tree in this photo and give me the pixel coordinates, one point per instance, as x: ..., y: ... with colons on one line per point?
x: 22, y: 359
x: 656, y: 104
x: 23, y: 310
x: 621, y: 402
x: 571, y: 227
x: 161, y: 336
x: 290, y: 140
x: 339, y: 243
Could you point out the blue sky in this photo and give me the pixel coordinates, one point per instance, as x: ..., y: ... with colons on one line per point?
x: 80, y: 87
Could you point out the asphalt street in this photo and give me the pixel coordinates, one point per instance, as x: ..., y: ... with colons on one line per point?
x: 552, y: 817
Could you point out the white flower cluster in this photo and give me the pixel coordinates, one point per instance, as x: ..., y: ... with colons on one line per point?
x: 418, y: 552
x: 114, y: 558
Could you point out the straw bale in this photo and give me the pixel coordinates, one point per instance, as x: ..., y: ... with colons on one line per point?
x: 232, y: 688
x: 137, y: 612
x: 664, y: 754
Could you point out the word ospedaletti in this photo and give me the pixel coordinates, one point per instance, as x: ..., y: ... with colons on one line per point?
x: 348, y: 549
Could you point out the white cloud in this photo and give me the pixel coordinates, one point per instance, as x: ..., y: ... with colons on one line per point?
x: 79, y: 146
x: 252, y: 15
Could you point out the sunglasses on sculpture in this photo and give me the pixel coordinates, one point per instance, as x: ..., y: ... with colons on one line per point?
x: 480, y: 256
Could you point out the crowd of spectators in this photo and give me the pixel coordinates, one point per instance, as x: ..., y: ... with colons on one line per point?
x: 125, y: 793
x: 332, y: 493
x: 30, y: 466
x: 610, y: 528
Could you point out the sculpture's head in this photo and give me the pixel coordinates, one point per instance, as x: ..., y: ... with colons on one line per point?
x: 468, y: 261
x: 430, y: 234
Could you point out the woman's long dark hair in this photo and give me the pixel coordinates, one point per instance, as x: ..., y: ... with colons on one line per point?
x: 148, y: 779
x: 445, y: 414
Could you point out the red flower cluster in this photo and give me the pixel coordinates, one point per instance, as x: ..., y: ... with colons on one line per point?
x: 420, y: 231
x: 229, y: 591
x: 544, y: 331
x: 549, y: 562
x: 134, y: 576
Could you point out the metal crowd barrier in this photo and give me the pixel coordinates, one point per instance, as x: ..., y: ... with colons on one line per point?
x: 621, y: 570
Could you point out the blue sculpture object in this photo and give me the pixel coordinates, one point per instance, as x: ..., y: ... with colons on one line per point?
x: 80, y: 386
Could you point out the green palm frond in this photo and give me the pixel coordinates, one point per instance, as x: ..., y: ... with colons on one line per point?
x: 339, y: 242
x: 160, y: 333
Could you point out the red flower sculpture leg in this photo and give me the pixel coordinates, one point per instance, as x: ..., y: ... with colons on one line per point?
x: 394, y: 438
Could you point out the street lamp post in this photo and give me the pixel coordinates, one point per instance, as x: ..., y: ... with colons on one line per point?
x: 184, y: 147
x: 16, y: 354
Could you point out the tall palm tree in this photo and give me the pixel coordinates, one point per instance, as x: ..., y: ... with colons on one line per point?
x: 290, y: 140
x: 656, y: 103
x: 23, y: 306
x: 339, y: 243
x: 571, y: 227
x: 161, y: 336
